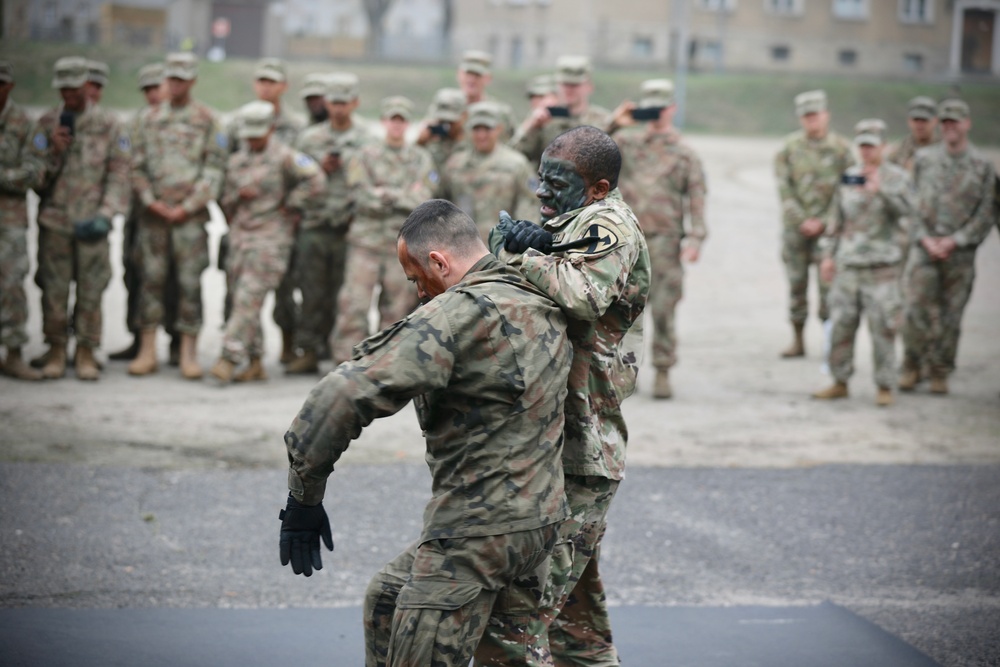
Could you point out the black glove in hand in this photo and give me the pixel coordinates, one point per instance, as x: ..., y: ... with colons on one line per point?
x: 526, y: 235
x: 301, y: 528
x: 94, y: 229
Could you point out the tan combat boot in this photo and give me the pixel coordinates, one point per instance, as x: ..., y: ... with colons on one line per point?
x: 661, y: 387
x: 883, y: 398
x: 939, y: 382
x: 287, y: 346
x: 145, y: 361
x: 190, y: 369
x: 55, y: 367
x: 253, y: 373
x: 836, y: 390
x: 909, y: 377
x: 15, y: 366
x: 305, y: 363
x: 223, y: 370
x: 85, y: 364
x: 798, y: 347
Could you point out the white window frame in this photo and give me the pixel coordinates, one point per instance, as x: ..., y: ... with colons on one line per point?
x: 911, y: 18
x: 864, y: 10
x: 785, y: 8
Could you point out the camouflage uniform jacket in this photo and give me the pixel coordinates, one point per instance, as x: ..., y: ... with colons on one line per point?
x: 178, y: 157
x: 318, y: 141
x: 286, y: 180
x: 659, y: 175
x: 955, y: 195
x: 602, y: 289
x: 387, y: 183
x: 533, y: 142
x: 866, y: 231
x: 91, y: 177
x: 287, y: 126
x: 483, y: 184
x: 808, y: 174
x: 442, y: 148
x: 20, y: 168
x: 904, y: 152
x: 486, y: 364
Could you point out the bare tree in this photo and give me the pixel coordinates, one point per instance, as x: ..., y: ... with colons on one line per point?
x: 376, y: 11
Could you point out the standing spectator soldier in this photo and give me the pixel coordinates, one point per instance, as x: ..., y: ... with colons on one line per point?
x: 322, y: 238
x: 473, y: 76
x: 663, y: 181
x: 863, y: 261
x: 86, y: 155
x: 921, y: 117
x: 493, y: 429
x: 808, y: 170
x: 386, y: 180
x: 488, y: 177
x: 98, y: 74
x: 955, y: 206
x: 574, y: 89
x: 20, y: 170
x: 541, y: 92
x: 443, y: 131
x: 313, y: 93
x: 602, y: 287
x: 268, y: 187
x: 179, y: 154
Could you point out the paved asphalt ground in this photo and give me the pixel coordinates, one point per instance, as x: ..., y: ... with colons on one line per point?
x: 755, y: 526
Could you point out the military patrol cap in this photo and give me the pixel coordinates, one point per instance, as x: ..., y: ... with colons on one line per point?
x: 272, y: 69
x: 573, y: 69
x: 483, y: 113
x: 922, y: 107
x: 448, y: 104
x: 314, y: 85
x: 70, y: 72
x: 98, y: 72
x: 541, y: 85
x: 6, y: 72
x: 953, y: 109
x: 182, y: 65
x: 397, y: 105
x: 812, y: 101
x: 870, y: 131
x: 150, y: 76
x: 477, y: 62
x: 657, y: 93
x: 342, y: 87
x: 255, y: 119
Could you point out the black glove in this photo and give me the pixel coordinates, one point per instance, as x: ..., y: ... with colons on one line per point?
x: 301, y: 528
x: 526, y: 235
x: 93, y: 229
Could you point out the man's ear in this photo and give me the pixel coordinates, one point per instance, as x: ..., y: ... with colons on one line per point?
x: 599, y: 190
x: 438, y: 262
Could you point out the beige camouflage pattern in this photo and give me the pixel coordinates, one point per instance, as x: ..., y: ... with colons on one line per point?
x: 63, y: 260
x: 904, y: 151
x: 286, y: 128
x: 318, y: 141
x: 14, y: 266
x: 533, y: 142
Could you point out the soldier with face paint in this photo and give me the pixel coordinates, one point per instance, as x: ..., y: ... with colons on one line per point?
x: 590, y: 257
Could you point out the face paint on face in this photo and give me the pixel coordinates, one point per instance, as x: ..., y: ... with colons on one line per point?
x: 561, y: 188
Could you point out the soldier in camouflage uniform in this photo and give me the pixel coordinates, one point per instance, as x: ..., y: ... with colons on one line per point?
x: 178, y: 158
x: 313, y: 96
x: 663, y: 181
x: 386, y: 181
x: 474, y: 75
x: 85, y: 151
x: 268, y: 187
x: 921, y: 117
x: 98, y: 74
x: 808, y: 169
x: 493, y: 425
x: 488, y: 177
x: 322, y: 238
x: 442, y: 133
x: 602, y: 287
x: 574, y: 89
x: 20, y: 170
x: 955, y: 199
x: 541, y: 91
x: 863, y: 261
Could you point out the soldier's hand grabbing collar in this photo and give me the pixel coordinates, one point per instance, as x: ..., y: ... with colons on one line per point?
x: 302, y: 526
x: 526, y: 234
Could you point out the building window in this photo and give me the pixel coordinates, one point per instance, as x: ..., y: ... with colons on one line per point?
x: 780, y: 53
x: 784, y: 7
x: 847, y: 57
x: 642, y: 47
x: 913, y: 62
x: 716, y: 5
x: 854, y: 10
x: 916, y: 11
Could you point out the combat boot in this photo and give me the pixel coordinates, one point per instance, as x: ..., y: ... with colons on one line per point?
x: 909, y: 377
x: 85, y: 364
x: 287, y: 346
x: 305, y: 363
x: 883, y: 398
x: 661, y: 387
x: 127, y: 353
x: 145, y: 361
x: 798, y: 347
x: 190, y: 369
x: 254, y: 372
x: 223, y: 370
x: 836, y: 390
x: 15, y: 367
x: 55, y: 367
x: 939, y: 382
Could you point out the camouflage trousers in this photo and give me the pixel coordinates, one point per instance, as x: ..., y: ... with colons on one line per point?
x: 253, y: 270
x: 13, y: 300
x: 876, y: 291
x: 430, y: 605
x: 366, y: 269
x: 286, y: 310
x: 666, y: 287
x: 799, y: 253
x: 321, y: 254
x: 941, y: 290
x: 62, y: 259
x: 572, y: 625
x: 184, y: 249
x: 132, y: 263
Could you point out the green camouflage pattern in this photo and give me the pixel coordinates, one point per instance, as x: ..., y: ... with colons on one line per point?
x: 318, y: 141
x: 171, y: 255
x: 666, y: 289
x: 21, y: 169
x: 532, y: 143
x: 904, y: 152
x: 441, y: 149
x: 14, y: 266
x: 955, y: 195
x: 62, y: 260
x: 320, y: 262
x: 256, y: 266
x: 287, y: 126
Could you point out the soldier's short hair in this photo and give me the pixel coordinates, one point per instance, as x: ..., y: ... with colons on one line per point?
x: 594, y: 153
x: 439, y: 224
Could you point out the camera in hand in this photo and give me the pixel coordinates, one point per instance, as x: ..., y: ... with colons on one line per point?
x: 67, y: 119
x: 853, y: 179
x: 442, y: 129
x: 646, y: 113
x: 558, y: 112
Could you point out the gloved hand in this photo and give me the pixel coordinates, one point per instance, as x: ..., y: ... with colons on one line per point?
x: 498, y: 235
x: 301, y: 528
x: 526, y: 235
x: 93, y: 229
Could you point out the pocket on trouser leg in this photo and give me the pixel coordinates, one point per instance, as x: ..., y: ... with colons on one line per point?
x: 438, y: 622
